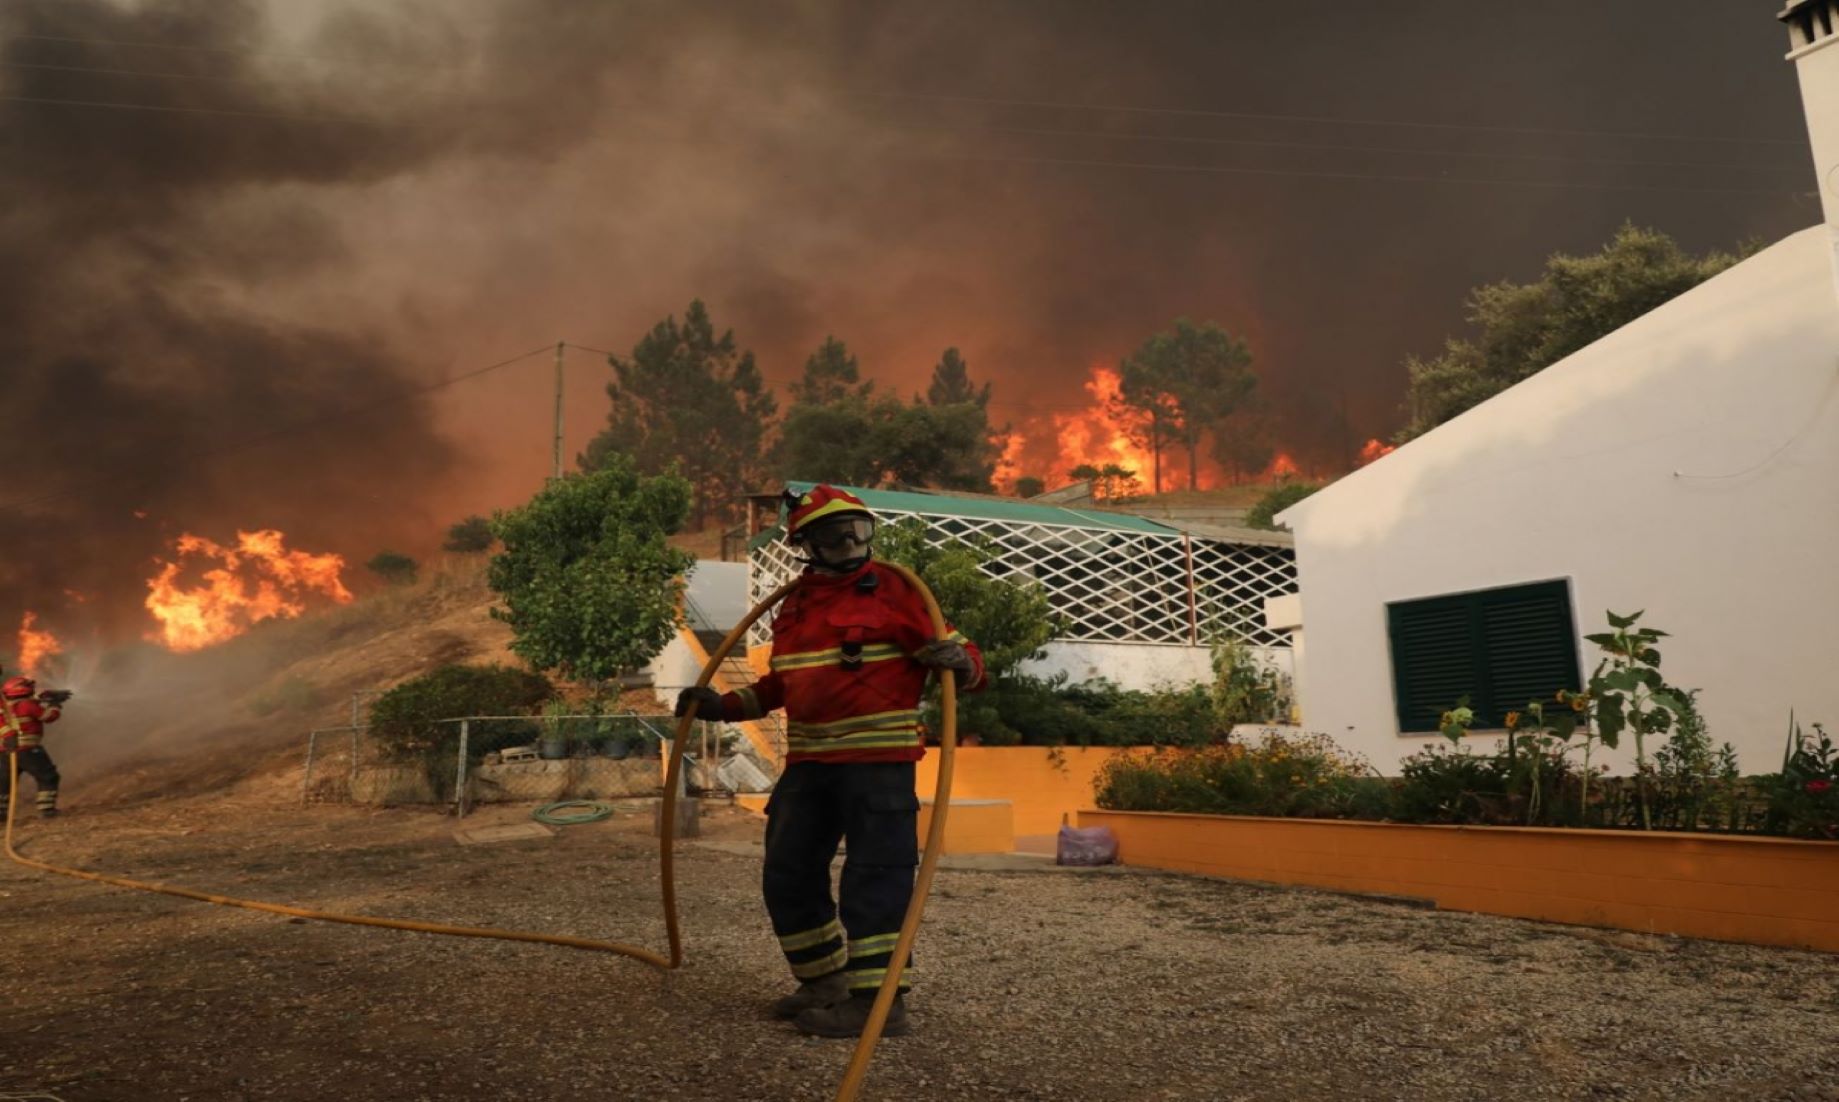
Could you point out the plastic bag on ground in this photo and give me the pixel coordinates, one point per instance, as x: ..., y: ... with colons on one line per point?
x: 1086, y: 846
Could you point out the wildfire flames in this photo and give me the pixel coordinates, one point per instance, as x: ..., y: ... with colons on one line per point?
x: 35, y: 646
x: 256, y: 580
x: 1100, y: 436
x: 1372, y: 450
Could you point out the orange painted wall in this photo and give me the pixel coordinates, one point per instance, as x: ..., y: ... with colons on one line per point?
x: 1767, y: 891
x: 972, y: 826
x: 1025, y: 776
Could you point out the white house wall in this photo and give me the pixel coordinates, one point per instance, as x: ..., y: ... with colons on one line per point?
x: 1687, y: 465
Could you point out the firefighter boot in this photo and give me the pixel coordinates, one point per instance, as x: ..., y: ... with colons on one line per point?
x: 847, y: 1018
x: 47, y: 803
x: 812, y: 995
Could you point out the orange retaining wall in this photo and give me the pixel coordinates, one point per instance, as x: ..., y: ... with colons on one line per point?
x: 1768, y: 891
x: 1026, y: 776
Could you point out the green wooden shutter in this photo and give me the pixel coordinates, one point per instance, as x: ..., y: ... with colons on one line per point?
x: 1434, y: 662
x: 1501, y: 648
x: 1530, y: 644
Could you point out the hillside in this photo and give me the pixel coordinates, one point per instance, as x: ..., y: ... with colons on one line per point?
x: 147, y: 723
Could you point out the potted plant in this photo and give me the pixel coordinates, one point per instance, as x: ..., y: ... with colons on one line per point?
x: 552, y: 743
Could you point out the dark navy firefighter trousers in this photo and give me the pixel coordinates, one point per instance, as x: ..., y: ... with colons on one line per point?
x: 872, y: 807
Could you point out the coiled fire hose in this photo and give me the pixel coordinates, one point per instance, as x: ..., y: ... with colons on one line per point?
x: 857, y: 1070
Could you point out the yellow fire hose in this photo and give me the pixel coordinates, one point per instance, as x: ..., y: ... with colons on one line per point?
x: 909, y: 927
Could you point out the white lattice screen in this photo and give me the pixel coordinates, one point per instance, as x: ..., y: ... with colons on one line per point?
x: 1111, y: 585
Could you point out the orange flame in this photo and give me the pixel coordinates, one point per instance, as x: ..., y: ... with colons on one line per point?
x: 256, y: 580
x: 1009, y: 465
x: 1281, y: 467
x: 1100, y: 436
x: 35, y: 646
x: 1373, y: 449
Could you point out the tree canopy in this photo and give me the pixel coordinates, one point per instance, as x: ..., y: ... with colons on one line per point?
x: 589, y: 585
x: 1181, y: 383
x: 1522, y: 328
x: 693, y: 401
x: 839, y: 430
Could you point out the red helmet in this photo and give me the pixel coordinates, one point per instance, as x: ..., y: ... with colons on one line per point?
x: 819, y: 502
x: 833, y: 527
x: 18, y: 688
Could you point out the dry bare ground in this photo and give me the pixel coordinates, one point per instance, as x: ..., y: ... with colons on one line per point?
x: 1046, y: 984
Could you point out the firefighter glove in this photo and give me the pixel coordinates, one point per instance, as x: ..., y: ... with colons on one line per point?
x: 701, y: 700
x: 945, y: 654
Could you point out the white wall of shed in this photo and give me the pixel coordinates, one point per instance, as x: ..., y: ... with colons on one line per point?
x: 717, y: 593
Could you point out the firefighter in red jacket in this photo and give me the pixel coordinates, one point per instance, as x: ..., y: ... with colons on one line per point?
x: 852, y: 648
x: 23, y: 715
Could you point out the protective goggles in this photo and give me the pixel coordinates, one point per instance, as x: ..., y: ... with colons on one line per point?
x: 837, y: 533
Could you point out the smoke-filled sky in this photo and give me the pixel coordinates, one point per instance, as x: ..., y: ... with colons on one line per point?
x: 236, y: 236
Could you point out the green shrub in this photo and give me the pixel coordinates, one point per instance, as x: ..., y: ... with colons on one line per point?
x: 1263, y: 512
x: 1032, y: 711
x: 1246, y: 690
x: 393, y: 567
x: 469, y: 536
x: 1804, y: 797
x: 404, y: 721
x: 1301, y: 776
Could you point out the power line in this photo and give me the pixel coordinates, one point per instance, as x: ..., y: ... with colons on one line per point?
x: 289, y: 430
x: 1335, y: 148
x: 1412, y: 124
x: 586, y: 348
x: 192, y: 110
x: 1225, y: 170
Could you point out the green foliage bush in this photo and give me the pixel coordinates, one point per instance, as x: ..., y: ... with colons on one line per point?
x: 404, y: 721
x: 469, y: 536
x: 1277, y: 774
x: 393, y: 567
x: 1263, y: 512
x: 590, y: 587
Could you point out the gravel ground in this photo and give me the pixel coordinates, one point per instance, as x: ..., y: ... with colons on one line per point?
x: 1035, y: 984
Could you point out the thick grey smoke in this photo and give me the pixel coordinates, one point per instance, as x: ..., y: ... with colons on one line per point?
x: 218, y: 294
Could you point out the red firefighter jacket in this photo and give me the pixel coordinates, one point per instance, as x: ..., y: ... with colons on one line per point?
x: 28, y: 722
x: 842, y: 669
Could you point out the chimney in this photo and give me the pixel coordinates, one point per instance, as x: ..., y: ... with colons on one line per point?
x: 1813, y: 38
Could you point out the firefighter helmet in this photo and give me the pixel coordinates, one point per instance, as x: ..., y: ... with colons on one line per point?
x: 18, y: 688
x: 833, y: 527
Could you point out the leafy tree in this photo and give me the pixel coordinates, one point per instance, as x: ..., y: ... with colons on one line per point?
x: 1009, y: 618
x: 1263, y: 512
x: 1180, y: 383
x: 1085, y: 472
x: 393, y: 567
x: 1029, y: 486
x: 839, y: 430
x: 469, y: 536
x: 590, y: 587
x: 951, y: 383
x: 689, y: 400
x: 1242, y: 441
x: 831, y: 375
x: 1522, y: 328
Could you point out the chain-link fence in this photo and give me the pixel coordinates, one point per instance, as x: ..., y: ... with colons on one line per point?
x: 469, y: 760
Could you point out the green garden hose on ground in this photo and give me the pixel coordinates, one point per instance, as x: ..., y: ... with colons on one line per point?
x: 572, y: 812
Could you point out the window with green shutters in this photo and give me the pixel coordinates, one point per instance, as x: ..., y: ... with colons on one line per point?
x: 1499, y: 647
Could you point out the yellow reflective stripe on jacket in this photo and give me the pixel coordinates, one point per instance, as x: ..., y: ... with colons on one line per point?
x: 874, y: 720
x: 873, y: 946
x: 816, y: 659
x: 813, y: 969
x: 900, y: 739
x: 804, y: 939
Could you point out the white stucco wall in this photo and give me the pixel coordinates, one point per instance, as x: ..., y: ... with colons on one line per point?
x: 717, y: 594
x: 1687, y: 465
x: 1143, y: 666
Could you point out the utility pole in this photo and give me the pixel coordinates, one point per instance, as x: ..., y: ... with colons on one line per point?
x: 560, y: 345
